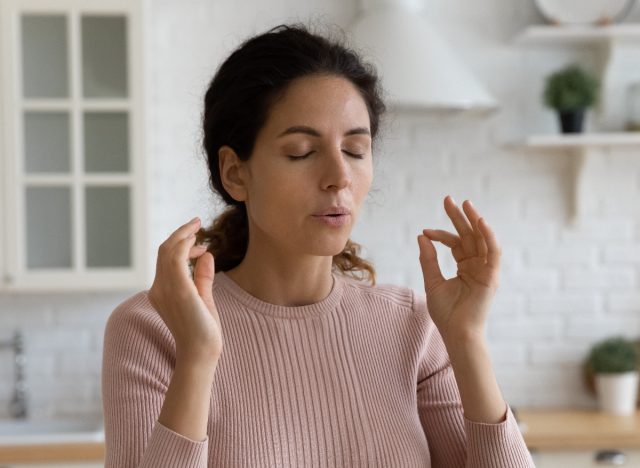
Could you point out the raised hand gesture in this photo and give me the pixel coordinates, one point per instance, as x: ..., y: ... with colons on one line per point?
x: 186, y: 305
x: 459, y: 306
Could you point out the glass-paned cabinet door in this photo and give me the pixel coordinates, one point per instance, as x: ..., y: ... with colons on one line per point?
x: 73, y: 172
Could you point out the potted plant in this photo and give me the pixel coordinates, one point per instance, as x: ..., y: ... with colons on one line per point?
x: 571, y: 91
x: 614, y: 362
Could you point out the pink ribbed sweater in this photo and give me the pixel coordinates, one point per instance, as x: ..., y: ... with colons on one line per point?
x: 361, y: 378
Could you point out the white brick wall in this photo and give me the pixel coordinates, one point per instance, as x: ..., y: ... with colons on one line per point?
x: 562, y: 287
x: 63, y: 343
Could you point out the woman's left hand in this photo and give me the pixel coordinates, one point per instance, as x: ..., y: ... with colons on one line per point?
x: 459, y: 306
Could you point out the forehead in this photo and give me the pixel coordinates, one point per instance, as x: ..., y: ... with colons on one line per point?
x: 323, y: 102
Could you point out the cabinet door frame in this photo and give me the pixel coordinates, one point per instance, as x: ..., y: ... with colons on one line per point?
x: 16, y: 277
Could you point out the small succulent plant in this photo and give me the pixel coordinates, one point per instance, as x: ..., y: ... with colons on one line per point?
x: 613, y: 355
x: 571, y: 88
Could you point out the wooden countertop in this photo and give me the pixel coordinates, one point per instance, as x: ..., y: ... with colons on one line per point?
x: 543, y: 429
x: 84, y: 451
x: 578, y: 429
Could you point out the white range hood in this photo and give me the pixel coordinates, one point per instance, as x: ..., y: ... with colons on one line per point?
x: 419, y: 69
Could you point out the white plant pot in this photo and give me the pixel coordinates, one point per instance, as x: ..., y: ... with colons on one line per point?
x: 617, y: 393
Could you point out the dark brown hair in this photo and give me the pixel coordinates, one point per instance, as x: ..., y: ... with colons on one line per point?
x: 236, y: 106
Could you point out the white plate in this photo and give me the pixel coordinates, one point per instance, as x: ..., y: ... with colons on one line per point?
x: 583, y: 11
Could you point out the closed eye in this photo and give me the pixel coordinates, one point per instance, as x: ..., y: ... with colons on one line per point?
x: 354, y: 155
x: 293, y: 156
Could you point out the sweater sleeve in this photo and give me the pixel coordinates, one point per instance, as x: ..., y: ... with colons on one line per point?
x: 454, y: 440
x: 137, y: 364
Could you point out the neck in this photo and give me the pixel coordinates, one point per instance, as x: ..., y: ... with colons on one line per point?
x: 279, y: 279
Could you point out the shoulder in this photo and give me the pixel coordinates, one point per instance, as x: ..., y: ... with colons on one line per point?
x: 138, y: 351
x: 385, y: 294
x: 135, y: 322
x: 396, y: 300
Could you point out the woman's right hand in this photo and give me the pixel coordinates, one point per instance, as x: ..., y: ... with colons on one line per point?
x: 185, y: 305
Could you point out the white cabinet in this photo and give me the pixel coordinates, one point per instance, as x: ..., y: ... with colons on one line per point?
x: 72, y: 166
x: 582, y: 459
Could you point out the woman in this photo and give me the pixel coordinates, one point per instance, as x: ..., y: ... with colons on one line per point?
x: 287, y: 357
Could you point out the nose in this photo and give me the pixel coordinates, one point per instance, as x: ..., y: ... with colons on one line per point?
x: 337, y: 173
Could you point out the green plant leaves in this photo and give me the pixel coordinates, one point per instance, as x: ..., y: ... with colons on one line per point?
x: 571, y: 88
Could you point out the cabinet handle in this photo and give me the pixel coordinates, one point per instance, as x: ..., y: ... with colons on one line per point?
x: 610, y: 457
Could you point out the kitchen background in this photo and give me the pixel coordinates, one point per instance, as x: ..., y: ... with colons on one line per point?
x: 563, y: 286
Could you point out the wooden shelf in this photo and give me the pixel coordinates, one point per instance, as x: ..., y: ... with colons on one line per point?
x: 578, y: 429
x: 572, y: 34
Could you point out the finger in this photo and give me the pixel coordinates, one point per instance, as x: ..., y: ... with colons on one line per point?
x: 197, y: 250
x: 474, y: 217
x: 429, y: 263
x: 182, y: 232
x: 493, y: 249
x: 182, y: 252
x: 462, y: 225
x: 449, y: 239
x: 203, y: 274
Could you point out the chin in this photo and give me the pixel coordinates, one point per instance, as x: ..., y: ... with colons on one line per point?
x: 329, y: 248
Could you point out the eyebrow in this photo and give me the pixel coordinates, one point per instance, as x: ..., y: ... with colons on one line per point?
x: 313, y: 132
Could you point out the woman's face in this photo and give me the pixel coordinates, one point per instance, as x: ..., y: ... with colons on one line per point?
x: 324, y: 121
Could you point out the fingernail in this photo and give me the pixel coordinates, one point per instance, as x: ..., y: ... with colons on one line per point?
x: 194, y: 220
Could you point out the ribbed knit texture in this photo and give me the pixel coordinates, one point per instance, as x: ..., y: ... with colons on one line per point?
x: 361, y: 378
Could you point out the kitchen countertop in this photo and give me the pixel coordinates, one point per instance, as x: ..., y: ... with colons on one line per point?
x: 565, y: 429
x: 543, y: 429
x: 62, y: 452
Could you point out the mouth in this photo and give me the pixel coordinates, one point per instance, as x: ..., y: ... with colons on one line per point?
x: 334, y: 220
x: 333, y: 211
x: 334, y: 215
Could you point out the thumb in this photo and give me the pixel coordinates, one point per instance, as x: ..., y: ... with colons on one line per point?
x: 429, y: 263
x: 203, y: 274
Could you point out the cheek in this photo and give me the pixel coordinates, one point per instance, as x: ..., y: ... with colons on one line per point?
x: 362, y: 180
x: 276, y: 198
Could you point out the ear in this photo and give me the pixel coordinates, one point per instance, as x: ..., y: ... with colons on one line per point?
x: 232, y: 173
